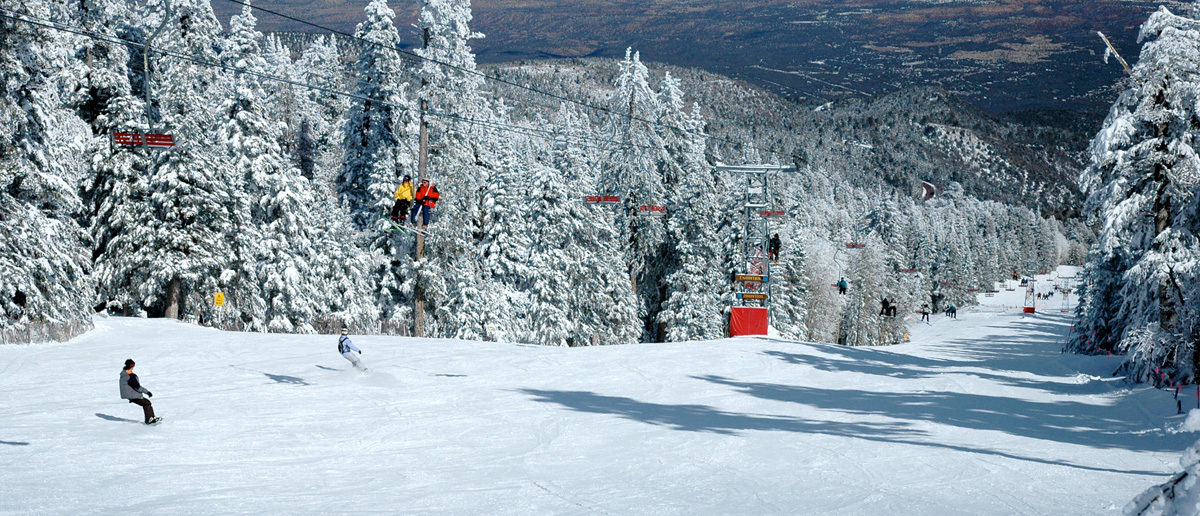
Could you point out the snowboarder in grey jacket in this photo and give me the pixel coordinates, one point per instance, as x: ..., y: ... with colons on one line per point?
x: 349, y: 351
x: 132, y: 390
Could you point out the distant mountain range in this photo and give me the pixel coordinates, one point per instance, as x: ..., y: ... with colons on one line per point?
x: 894, y: 140
x: 1001, y: 55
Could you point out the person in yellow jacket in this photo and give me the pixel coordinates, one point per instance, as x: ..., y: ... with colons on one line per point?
x: 404, y: 197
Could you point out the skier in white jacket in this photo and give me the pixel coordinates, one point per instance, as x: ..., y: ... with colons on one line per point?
x: 349, y: 351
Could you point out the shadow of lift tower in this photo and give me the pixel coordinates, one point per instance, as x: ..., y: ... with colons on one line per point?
x: 750, y: 313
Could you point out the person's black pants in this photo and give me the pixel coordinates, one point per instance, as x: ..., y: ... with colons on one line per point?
x: 146, y: 408
x: 400, y: 210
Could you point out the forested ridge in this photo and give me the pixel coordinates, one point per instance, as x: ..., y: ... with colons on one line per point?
x: 286, y: 158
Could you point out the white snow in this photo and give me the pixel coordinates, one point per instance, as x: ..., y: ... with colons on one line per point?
x: 979, y: 415
x: 1192, y: 423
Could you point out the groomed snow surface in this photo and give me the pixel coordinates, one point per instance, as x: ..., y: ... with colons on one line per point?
x: 980, y: 415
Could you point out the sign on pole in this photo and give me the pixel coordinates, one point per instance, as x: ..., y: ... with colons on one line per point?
x: 219, y: 299
x: 751, y: 296
x: 750, y: 278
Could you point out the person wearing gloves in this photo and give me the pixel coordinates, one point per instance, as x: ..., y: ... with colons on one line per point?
x: 349, y: 351
x: 132, y: 390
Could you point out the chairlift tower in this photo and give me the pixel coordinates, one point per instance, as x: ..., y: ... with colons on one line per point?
x: 753, y: 282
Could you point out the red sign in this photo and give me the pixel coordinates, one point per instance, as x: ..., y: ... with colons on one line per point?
x: 855, y: 245
x: 946, y: 284
x: 767, y: 213
x: 592, y: 198
x: 909, y: 271
x: 158, y: 141
x: 650, y: 207
x: 610, y: 198
x: 748, y: 321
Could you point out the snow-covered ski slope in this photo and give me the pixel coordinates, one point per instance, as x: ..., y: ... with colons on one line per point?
x: 982, y: 415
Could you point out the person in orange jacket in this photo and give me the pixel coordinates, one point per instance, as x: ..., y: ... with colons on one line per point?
x: 426, y: 198
x: 404, y: 197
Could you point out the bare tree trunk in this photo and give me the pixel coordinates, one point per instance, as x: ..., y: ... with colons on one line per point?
x: 172, y: 310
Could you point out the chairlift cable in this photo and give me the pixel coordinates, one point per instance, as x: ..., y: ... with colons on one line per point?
x: 548, y: 135
x: 413, y: 55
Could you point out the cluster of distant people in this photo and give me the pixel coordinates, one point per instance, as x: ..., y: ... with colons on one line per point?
x: 887, y: 308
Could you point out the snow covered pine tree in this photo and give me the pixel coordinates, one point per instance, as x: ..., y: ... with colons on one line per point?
x: 1140, y: 285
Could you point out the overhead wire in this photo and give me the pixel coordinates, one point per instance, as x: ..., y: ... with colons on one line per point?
x: 485, y: 76
x: 548, y: 135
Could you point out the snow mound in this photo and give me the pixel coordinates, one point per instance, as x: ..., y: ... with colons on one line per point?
x: 1176, y: 497
x: 1192, y: 423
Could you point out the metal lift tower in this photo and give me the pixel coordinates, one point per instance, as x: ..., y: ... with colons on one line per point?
x: 753, y: 282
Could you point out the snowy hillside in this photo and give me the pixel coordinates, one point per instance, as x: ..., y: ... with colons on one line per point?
x: 982, y: 415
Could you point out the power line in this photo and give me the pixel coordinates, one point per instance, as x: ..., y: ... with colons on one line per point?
x: 524, y: 130
x: 563, y: 98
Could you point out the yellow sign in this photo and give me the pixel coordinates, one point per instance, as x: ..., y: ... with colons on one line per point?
x: 219, y: 299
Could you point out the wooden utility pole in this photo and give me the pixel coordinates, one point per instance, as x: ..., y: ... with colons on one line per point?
x: 422, y: 167
x: 630, y: 201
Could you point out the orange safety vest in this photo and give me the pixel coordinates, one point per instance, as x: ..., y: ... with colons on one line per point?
x: 428, y: 194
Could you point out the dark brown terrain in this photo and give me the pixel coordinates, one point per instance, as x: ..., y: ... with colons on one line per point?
x: 1001, y: 55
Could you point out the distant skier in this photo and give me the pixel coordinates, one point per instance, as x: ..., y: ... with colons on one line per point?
x: 132, y: 390
x: 891, y: 307
x: 952, y: 312
x: 404, y: 198
x: 842, y: 286
x: 774, y: 247
x: 349, y: 351
x: 925, y: 312
x: 426, y: 197
x: 885, y: 307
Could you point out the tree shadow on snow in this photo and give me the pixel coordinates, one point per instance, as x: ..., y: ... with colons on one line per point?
x: 290, y: 380
x: 15, y: 443
x: 1097, y: 426
x: 700, y: 418
x: 116, y: 419
x: 1017, y: 359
